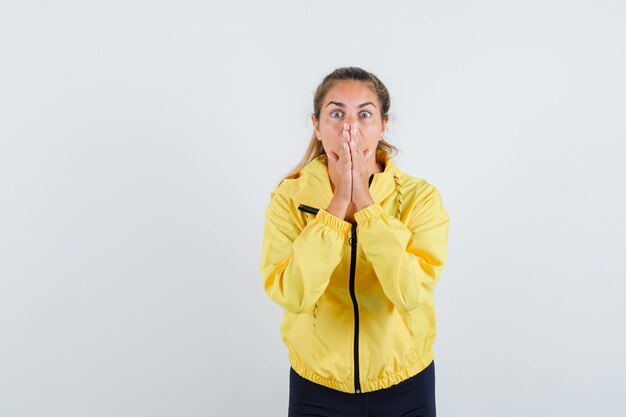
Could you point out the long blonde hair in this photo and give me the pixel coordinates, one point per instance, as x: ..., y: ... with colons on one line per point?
x: 384, y: 150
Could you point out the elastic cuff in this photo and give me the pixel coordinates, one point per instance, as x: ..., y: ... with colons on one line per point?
x: 369, y: 213
x: 333, y: 221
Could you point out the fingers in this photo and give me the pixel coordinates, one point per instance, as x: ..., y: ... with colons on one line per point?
x: 355, y: 146
x: 345, y: 148
x: 340, y: 160
x: 366, y: 154
x: 357, y: 137
x: 340, y: 154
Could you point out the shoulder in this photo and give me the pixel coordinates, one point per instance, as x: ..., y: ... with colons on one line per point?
x: 416, y: 194
x: 412, y: 186
x: 287, y: 189
x: 283, y: 197
x: 309, y: 184
x: 282, y: 208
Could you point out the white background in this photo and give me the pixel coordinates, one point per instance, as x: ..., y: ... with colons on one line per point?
x: 139, y: 142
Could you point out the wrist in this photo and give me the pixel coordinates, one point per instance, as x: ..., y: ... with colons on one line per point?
x: 361, y: 204
x: 338, y: 207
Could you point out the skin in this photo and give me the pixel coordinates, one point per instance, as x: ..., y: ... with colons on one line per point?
x: 350, y: 127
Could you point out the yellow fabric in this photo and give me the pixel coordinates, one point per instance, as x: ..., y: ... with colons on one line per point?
x: 305, y: 263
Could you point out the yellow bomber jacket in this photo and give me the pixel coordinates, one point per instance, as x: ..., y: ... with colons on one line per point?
x: 359, y: 312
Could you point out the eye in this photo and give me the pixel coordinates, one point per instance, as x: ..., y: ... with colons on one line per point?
x: 333, y: 113
x: 368, y: 114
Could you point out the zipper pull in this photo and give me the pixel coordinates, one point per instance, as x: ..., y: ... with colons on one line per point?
x: 352, y: 238
x: 308, y: 209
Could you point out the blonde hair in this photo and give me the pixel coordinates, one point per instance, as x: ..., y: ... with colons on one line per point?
x: 315, y: 148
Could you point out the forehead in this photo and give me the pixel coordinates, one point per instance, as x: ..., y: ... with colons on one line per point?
x: 351, y: 91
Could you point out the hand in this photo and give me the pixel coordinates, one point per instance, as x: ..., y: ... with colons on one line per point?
x: 340, y: 170
x: 361, y: 162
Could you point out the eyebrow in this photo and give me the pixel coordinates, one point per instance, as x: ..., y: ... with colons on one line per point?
x: 343, y: 105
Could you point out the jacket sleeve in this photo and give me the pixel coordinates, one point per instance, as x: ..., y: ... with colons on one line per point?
x: 407, y: 259
x: 296, y: 264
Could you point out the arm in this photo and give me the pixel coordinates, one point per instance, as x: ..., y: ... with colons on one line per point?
x: 296, y: 265
x: 407, y: 260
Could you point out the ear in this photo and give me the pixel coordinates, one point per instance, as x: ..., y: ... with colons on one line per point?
x: 382, y: 132
x: 316, y: 127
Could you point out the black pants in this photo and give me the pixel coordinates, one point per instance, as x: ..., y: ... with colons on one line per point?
x: 413, y: 397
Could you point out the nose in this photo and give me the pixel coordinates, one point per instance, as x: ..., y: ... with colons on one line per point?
x: 350, y: 119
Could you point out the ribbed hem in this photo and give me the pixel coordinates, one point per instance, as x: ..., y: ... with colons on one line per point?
x: 369, y: 213
x: 327, y: 382
x: 417, y: 365
x: 333, y: 221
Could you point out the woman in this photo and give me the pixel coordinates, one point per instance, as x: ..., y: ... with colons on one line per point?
x: 352, y: 250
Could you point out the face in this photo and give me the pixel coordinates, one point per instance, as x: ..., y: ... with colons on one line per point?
x: 349, y: 102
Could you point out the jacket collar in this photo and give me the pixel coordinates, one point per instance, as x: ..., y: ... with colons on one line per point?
x: 317, y: 192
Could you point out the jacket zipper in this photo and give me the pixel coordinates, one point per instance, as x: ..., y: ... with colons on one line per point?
x: 352, y: 243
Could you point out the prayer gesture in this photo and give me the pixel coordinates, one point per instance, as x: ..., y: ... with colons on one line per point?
x: 350, y: 170
x: 361, y: 163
